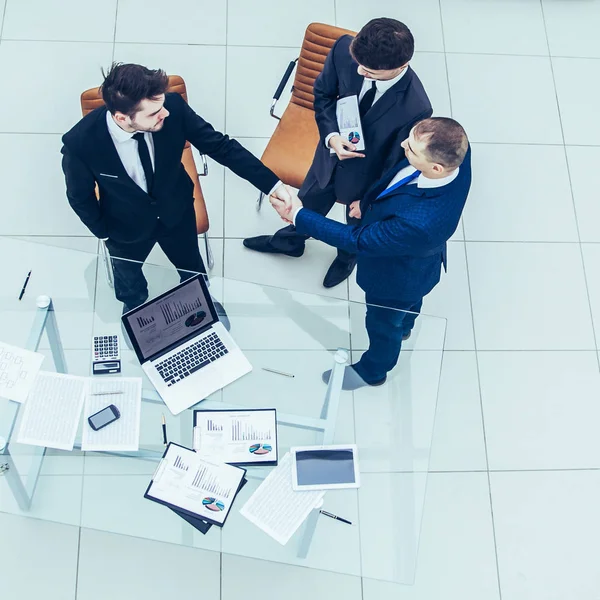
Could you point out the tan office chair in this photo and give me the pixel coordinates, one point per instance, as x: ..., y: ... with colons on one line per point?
x: 92, y: 99
x: 291, y: 148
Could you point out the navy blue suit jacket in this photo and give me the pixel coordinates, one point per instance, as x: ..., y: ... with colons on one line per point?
x: 401, y: 241
x: 385, y: 125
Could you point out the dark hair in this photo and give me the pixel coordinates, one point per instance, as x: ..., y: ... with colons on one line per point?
x: 383, y: 44
x: 447, y: 141
x: 126, y: 85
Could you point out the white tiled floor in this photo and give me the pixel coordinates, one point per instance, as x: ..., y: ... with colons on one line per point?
x: 512, y: 507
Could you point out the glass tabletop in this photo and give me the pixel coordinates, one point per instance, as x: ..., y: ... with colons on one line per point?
x: 278, y: 329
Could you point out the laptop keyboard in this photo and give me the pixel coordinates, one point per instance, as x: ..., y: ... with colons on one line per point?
x: 194, y: 357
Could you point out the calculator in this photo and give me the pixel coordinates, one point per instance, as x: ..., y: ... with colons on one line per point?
x: 106, y: 358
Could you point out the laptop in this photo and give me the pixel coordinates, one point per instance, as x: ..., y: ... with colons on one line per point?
x: 183, y: 348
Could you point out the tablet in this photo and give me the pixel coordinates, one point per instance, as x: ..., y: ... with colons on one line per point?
x: 325, y: 467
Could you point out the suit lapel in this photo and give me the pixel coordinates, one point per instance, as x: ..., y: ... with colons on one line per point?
x: 389, y: 99
x: 107, y: 154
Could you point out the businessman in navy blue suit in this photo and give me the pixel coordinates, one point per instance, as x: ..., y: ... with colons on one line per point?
x: 374, y: 67
x: 407, y: 217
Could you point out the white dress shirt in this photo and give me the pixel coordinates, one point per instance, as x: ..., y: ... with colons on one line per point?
x: 127, y: 149
x: 381, y: 87
x: 420, y: 181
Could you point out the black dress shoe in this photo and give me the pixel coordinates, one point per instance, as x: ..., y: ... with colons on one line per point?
x: 338, y: 272
x: 262, y: 243
x: 406, y: 336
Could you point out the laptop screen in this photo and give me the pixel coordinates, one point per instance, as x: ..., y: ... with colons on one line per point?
x: 171, y: 317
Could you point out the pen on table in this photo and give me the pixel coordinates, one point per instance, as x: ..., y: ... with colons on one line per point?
x: 25, y: 285
x: 105, y: 393
x: 332, y: 516
x: 277, y: 372
x: 164, y: 428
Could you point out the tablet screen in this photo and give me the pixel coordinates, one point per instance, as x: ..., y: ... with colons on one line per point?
x: 317, y: 467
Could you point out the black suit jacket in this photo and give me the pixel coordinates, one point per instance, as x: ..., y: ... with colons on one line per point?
x: 384, y: 126
x: 125, y: 212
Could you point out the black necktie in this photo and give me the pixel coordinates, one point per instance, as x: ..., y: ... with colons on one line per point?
x: 145, y: 158
x: 367, y: 100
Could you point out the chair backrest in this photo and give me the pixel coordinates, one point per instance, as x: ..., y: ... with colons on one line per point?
x: 92, y: 99
x: 318, y: 40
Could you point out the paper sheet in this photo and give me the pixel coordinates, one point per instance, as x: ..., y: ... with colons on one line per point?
x: 348, y: 118
x: 276, y: 508
x: 52, y: 411
x: 202, y: 487
x: 18, y: 368
x: 124, y: 433
x: 236, y: 436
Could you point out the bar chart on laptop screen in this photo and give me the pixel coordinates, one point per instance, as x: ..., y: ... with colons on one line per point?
x: 174, y: 310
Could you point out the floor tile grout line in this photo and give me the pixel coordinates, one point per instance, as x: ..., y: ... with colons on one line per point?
x: 485, y: 444
x: 581, y: 253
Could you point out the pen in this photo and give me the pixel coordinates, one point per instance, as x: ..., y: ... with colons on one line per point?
x: 278, y: 372
x: 332, y: 516
x: 105, y: 393
x: 25, y: 285
x: 164, y: 428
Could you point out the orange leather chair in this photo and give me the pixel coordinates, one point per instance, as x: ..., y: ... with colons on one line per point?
x: 92, y: 99
x: 291, y: 148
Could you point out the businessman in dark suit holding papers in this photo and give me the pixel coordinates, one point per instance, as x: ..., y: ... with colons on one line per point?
x: 374, y: 67
x: 408, y: 215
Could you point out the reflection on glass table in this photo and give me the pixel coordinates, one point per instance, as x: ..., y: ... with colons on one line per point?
x: 281, y: 332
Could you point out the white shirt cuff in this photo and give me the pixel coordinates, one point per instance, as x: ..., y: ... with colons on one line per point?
x: 329, y: 137
x: 275, y: 187
x: 296, y: 214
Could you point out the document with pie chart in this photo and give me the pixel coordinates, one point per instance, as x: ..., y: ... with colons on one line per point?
x: 348, y: 118
x: 196, y: 486
x: 237, y: 437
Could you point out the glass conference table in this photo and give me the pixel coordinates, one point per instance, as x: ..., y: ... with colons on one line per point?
x: 293, y: 332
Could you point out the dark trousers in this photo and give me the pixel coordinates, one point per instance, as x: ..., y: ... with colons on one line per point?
x: 321, y: 200
x: 179, y: 243
x: 385, y: 328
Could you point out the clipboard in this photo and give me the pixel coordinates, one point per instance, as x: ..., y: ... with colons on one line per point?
x: 239, y: 437
x: 204, y: 493
x: 200, y: 524
x: 349, y: 123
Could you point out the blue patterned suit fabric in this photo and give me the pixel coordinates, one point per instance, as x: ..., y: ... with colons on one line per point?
x: 401, y: 241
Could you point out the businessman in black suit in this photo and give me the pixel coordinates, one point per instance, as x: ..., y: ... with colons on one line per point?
x: 132, y: 148
x: 374, y: 66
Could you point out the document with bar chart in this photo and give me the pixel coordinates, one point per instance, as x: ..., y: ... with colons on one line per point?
x: 237, y: 437
x: 195, y: 485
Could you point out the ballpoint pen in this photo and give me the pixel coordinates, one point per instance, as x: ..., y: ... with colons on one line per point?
x: 105, y: 393
x: 277, y: 372
x: 164, y: 428
x: 332, y: 516
x: 25, y: 285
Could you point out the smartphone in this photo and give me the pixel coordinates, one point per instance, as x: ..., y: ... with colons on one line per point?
x: 104, y: 417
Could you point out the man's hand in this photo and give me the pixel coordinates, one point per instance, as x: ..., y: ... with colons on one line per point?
x: 355, y: 210
x: 343, y: 148
x: 283, y: 194
x: 285, y: 211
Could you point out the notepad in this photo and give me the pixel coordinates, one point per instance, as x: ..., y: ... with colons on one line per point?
x: 18, y: 369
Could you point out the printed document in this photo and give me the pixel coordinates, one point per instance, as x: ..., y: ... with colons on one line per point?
x: 202, y: 487
x: 237, y: 436
x: 348, y: 118
x: 124, y: 433
x: 52, y: 412
x: 18, y: 368
x: 276, y: 508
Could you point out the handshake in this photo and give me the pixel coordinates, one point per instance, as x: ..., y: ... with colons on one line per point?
x: 286, y: 202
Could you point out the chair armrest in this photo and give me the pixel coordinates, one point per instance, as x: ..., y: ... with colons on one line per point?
x: 204, y: 166
x: 281, y: 86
